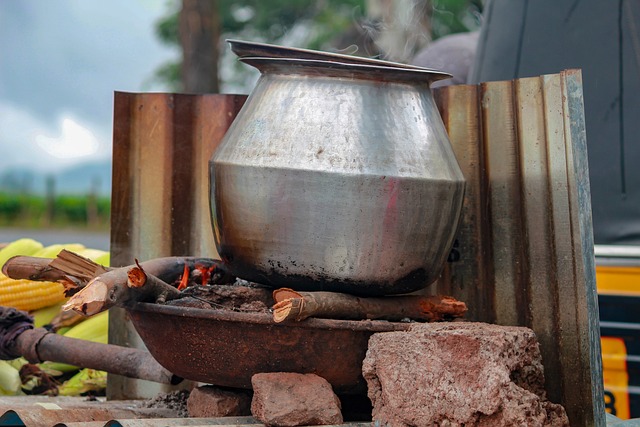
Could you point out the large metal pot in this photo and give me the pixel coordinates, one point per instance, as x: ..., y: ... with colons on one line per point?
x: 337, y: 174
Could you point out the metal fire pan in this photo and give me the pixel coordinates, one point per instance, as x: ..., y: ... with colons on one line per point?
x: 227, y: 348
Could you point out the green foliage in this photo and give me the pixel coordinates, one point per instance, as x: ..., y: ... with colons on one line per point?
x: 454, y: 16
x: 104, y: 207
x: 71, y: 209
x: 167, y: 27
x: 266, y: 21
x: 64, y: 210
x: 10, y: 207
x: 269, y: 20
x: 324, y: 20
x: 16, y: 208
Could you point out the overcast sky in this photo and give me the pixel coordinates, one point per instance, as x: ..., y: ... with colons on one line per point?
x: 60, y: 63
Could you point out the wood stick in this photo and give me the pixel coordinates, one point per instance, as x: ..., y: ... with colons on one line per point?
x: 127, y: 285
x: 64, y: 319
x: 77, y: 266
x: 68, y: 268
x: 32, y: 268
x: 149, y: 286
x: 293, y: 305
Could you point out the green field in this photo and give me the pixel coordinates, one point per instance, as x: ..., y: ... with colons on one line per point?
x: 30, y: 211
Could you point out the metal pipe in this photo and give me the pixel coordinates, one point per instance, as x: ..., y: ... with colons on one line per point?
x: 38, y: 345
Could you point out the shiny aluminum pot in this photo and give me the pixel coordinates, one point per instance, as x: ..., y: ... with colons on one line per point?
x: 336, y: 175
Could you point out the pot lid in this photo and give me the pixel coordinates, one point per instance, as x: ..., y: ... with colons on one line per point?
x: 361, y: 71
x: 249, y: 51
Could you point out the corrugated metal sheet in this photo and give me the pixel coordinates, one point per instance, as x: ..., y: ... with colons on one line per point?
x: 160, y: 191
x: 197, y: 422
x: 162, y: 145
x: 42, y: 411
x: 525, y: 241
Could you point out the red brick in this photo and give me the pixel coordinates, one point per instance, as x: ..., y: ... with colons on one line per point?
x: 211, y: 402
x: 290, y: 399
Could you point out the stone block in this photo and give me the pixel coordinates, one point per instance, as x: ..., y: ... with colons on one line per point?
x: 291, y: 399
x: 212, y: 402
x: 458, y: 374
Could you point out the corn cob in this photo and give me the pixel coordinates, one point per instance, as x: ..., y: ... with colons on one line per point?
x: 9, y: 379
x: 44, y: 316
x: 103, y: 260
x: 24, y: 246
x: 85, y: 381
x: 28, y: 295
x: 52, y: 251
x: 17, y: 363
x: 25, y: 294
x: 90, y: 253
x: 94, y: 329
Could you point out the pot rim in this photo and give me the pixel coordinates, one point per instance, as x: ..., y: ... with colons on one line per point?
x: 323, y: 68
x: 244, y: 48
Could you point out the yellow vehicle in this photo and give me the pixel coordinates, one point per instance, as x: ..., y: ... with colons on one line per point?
x: 618, y: 282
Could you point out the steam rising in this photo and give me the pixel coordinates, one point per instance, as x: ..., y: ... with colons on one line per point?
x: 398, y: 29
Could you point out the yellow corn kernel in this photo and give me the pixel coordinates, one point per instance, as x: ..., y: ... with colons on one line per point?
x: 29, y: 295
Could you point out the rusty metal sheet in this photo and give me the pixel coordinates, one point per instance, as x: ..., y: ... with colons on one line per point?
x: 525, y: 242
x: 201, y: 422
x: 162, y: 145
x: 160, y: 191
x: 42, y: 411
x: 170, y: 422
x: 224, y: 421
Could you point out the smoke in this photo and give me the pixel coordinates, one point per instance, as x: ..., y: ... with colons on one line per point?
x: 397, y: 29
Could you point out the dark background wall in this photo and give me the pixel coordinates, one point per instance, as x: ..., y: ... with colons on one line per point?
x: 523, y: 38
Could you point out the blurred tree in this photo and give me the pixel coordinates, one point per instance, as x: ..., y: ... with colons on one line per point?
x: 258, y: 20
x: 455, y: 16
x: 199, y: 33
x: 332, y: 25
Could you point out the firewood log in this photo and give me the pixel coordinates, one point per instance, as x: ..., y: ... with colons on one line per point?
x: 68, y: 268
x: 293, y: 305
x: 32, y: 268
x: 148, y: 281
